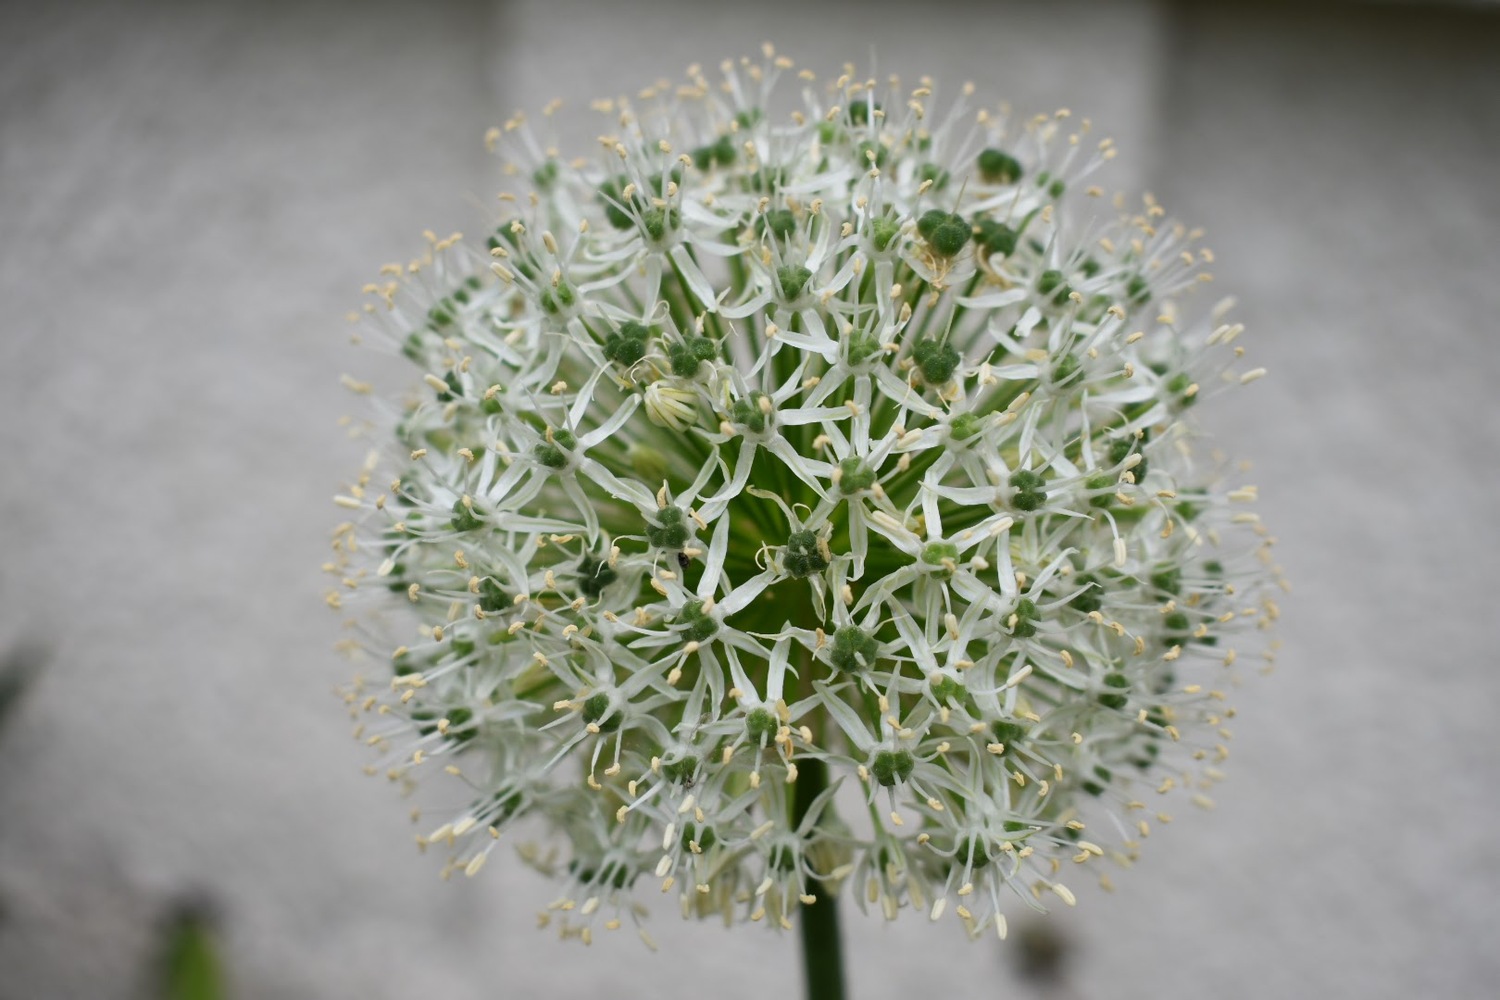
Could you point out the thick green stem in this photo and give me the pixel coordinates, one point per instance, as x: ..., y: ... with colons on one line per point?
x: 822, y: 947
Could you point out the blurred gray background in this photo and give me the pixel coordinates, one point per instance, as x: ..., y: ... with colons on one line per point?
x: 191, y: 196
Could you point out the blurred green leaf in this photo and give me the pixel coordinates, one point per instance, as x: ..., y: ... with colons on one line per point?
x: 193, y: 969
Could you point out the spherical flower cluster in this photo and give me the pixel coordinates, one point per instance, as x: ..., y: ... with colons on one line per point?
x: 799, y: 496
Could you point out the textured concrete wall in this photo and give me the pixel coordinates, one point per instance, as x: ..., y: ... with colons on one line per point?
x: 1343, y: 162
x: 190, y: 197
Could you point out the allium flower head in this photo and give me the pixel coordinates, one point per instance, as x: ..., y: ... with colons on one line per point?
x: 762, y: 444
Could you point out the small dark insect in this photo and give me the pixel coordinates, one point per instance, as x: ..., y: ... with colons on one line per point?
x: 683, y: 561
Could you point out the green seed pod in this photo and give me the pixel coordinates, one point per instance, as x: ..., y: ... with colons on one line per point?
x: 862, y: 347
x: 996, y: 238
x: 854, y: 476
x: 782, y: 858
x: 934, y: 173
x: 891, y: 766
x: 461, y: 725
x: 1121, y: 449
x: 936, y: 361
x: 670, y: 530
x: 697, y: 626
x: 1026, y: 479
x: 942, y: 556
x: 465, y: 518
x: 965, y: 426
x: 946, y: 689
x: 699, y: 834
x: 883, y: 230
x: 1090, y: 599
x: 779, y: 222
x: 491, y: 598
x: 803, y: 555
x: 945, y: 232
x: 724, y: 151
x: 545, y: 175
x: 1114, y: 698
x: 761, y: 725
x: 688, y: 355
x: 627, y: 346
x: 973, y: 852
x: 680, y: 770
x: 853, y: 649
x: 792, y: 281
x: 1179, y: 385
x: 1008, y: 734
x: 1053, y: 286
x: 1167, y: 578
x: 1026, y: 618
x: 999, y: 167
x: 558, y: 300
x: 1029, y: 495
x: 598, y: 711
x: 861, y: 111
x: 748, y: 413
x: 550, y: 455
x: 611, y: 196
x: 1066, y: 367
x: 658, y: 222
x: 594, y: 575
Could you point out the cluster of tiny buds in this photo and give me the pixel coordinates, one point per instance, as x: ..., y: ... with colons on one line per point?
x: 801, y: 499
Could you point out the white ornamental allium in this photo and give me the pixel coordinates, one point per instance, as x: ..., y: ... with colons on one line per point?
x: 758, y: 439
